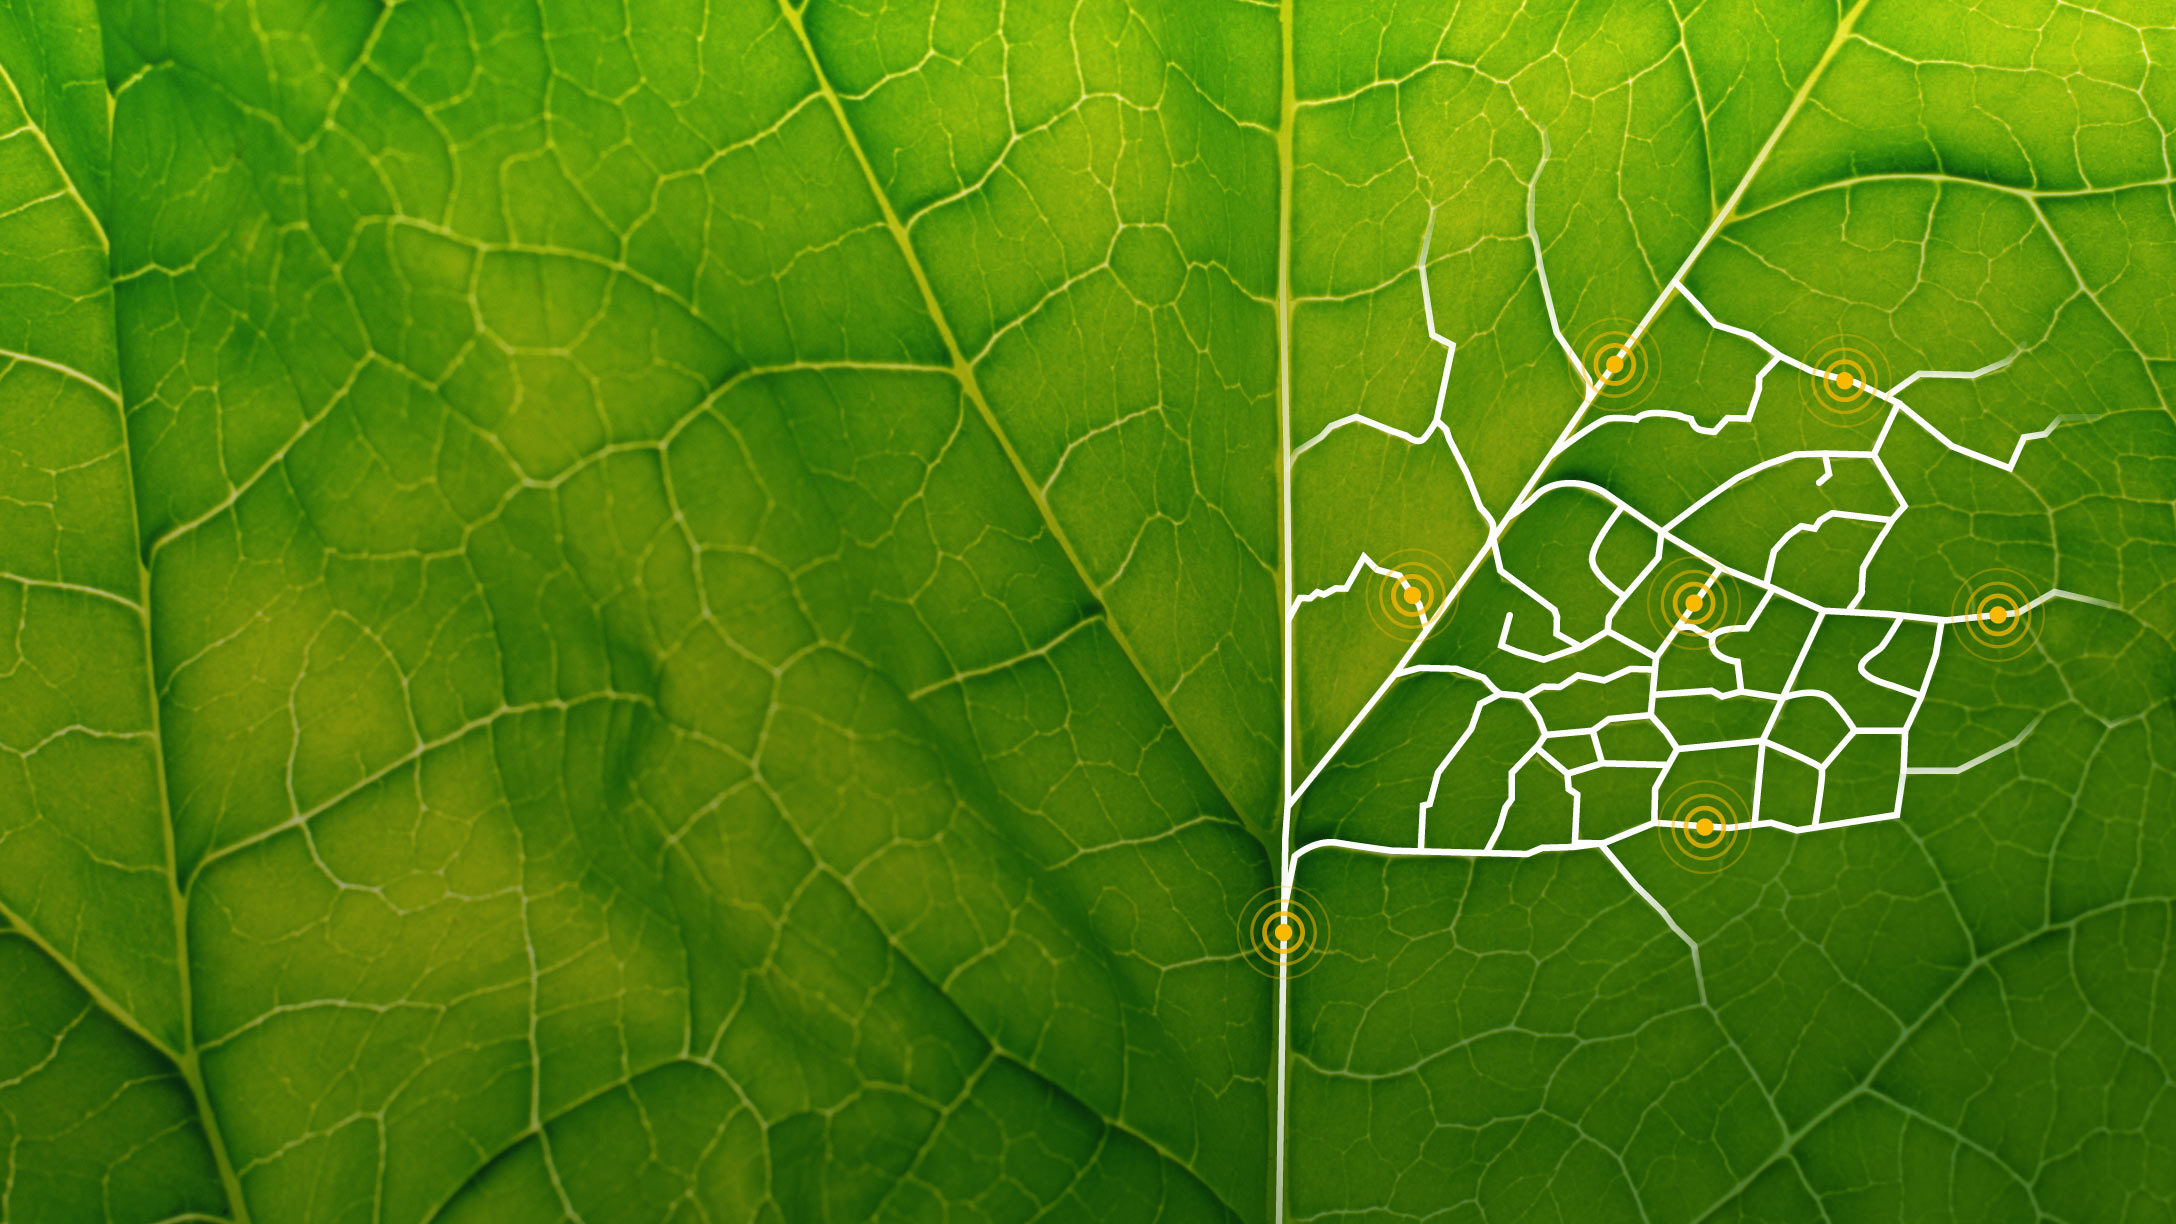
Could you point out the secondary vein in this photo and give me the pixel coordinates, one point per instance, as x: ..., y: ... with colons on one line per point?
x: 963, y: 372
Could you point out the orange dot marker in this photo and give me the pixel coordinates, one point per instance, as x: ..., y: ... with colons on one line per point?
x: 1705, y: 827
x: 1284, y: 932
x: 1694, y: 601
x: 1615, y: 364
x: 1411, y: 594
x: 1846, y: 380
x: 1999, y: 615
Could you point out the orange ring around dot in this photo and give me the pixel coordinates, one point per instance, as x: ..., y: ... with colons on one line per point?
x: 1300, y: 947
x: 1613, y: 363
x: 1695, y: 605
x: 1674, y: 594
x: 1997, y: 615
x: 1845, y: 385
x: 1400, y: 607
x: 1719, y: 807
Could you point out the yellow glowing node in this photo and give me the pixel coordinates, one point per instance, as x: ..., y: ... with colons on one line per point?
x: 1615, y: 364
x: 1704, y: 832
x: 1281, y: 933
x: 1846, y: 380
x: 1411, y: 594
x: 1693, y: 602
x: 1999, y: 615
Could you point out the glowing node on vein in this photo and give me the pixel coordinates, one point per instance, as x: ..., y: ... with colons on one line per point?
x: 1996, y: 616
x: 1689, y: 602
x: 1844, y: 377
x: 1282, y: 934
x: 1704, y: 831
x: 1615, y: 366
x: 1411, y: 591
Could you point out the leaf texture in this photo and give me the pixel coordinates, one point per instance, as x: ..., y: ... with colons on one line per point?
x: 721, y: 609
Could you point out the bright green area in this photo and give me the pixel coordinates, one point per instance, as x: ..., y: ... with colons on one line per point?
x: 676, y: 611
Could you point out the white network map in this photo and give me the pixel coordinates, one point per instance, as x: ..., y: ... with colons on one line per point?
x: 1667, y: 533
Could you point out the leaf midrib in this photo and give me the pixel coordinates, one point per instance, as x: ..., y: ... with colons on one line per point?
x: 1287, y: 696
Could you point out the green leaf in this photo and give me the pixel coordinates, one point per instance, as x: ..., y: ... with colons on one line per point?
x: 730, y: 609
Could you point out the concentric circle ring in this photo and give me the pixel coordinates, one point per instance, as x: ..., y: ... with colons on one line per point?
x: 1282, y: 933
x: 1703, y: 826
x: 1843, y: 390
x: 1997, y: 618
x: 1687, y: 601
x: 1616, y: 364
x: 1401, y: 606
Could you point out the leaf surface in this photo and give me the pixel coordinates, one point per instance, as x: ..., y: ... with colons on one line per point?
x: 722, y: 610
